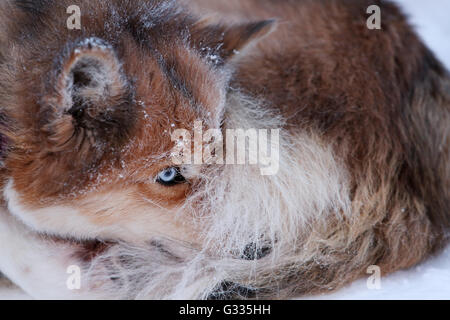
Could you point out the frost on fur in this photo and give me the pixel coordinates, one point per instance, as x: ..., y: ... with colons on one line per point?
x: 252, y: 225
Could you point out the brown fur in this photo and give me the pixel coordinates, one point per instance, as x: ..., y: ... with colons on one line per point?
x: 380, y: 97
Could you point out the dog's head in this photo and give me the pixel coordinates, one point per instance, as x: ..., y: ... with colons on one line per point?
x: 90, y: 115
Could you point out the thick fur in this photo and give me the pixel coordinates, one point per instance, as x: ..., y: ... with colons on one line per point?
x: 364, y: 174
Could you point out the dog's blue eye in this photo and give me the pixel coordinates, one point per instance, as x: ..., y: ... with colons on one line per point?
x: 170, y: 177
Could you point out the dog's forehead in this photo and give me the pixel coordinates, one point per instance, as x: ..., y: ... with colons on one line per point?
x: 176, y: 91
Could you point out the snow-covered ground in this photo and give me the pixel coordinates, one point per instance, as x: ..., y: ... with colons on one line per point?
x: 430, y: 280
x: 431, y: 19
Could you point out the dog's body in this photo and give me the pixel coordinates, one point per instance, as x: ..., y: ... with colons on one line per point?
x: 364, y: 173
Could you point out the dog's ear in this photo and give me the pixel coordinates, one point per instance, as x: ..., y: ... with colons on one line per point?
x: 92, y: 95
x: 220, y: 43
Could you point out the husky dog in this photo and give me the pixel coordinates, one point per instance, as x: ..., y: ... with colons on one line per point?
x: 87, y: 121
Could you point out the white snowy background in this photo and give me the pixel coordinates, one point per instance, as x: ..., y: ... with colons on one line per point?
x: 430, y: 280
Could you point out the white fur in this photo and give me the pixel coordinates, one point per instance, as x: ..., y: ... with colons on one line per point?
x: 52, y: 219
x: 37, y: 265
